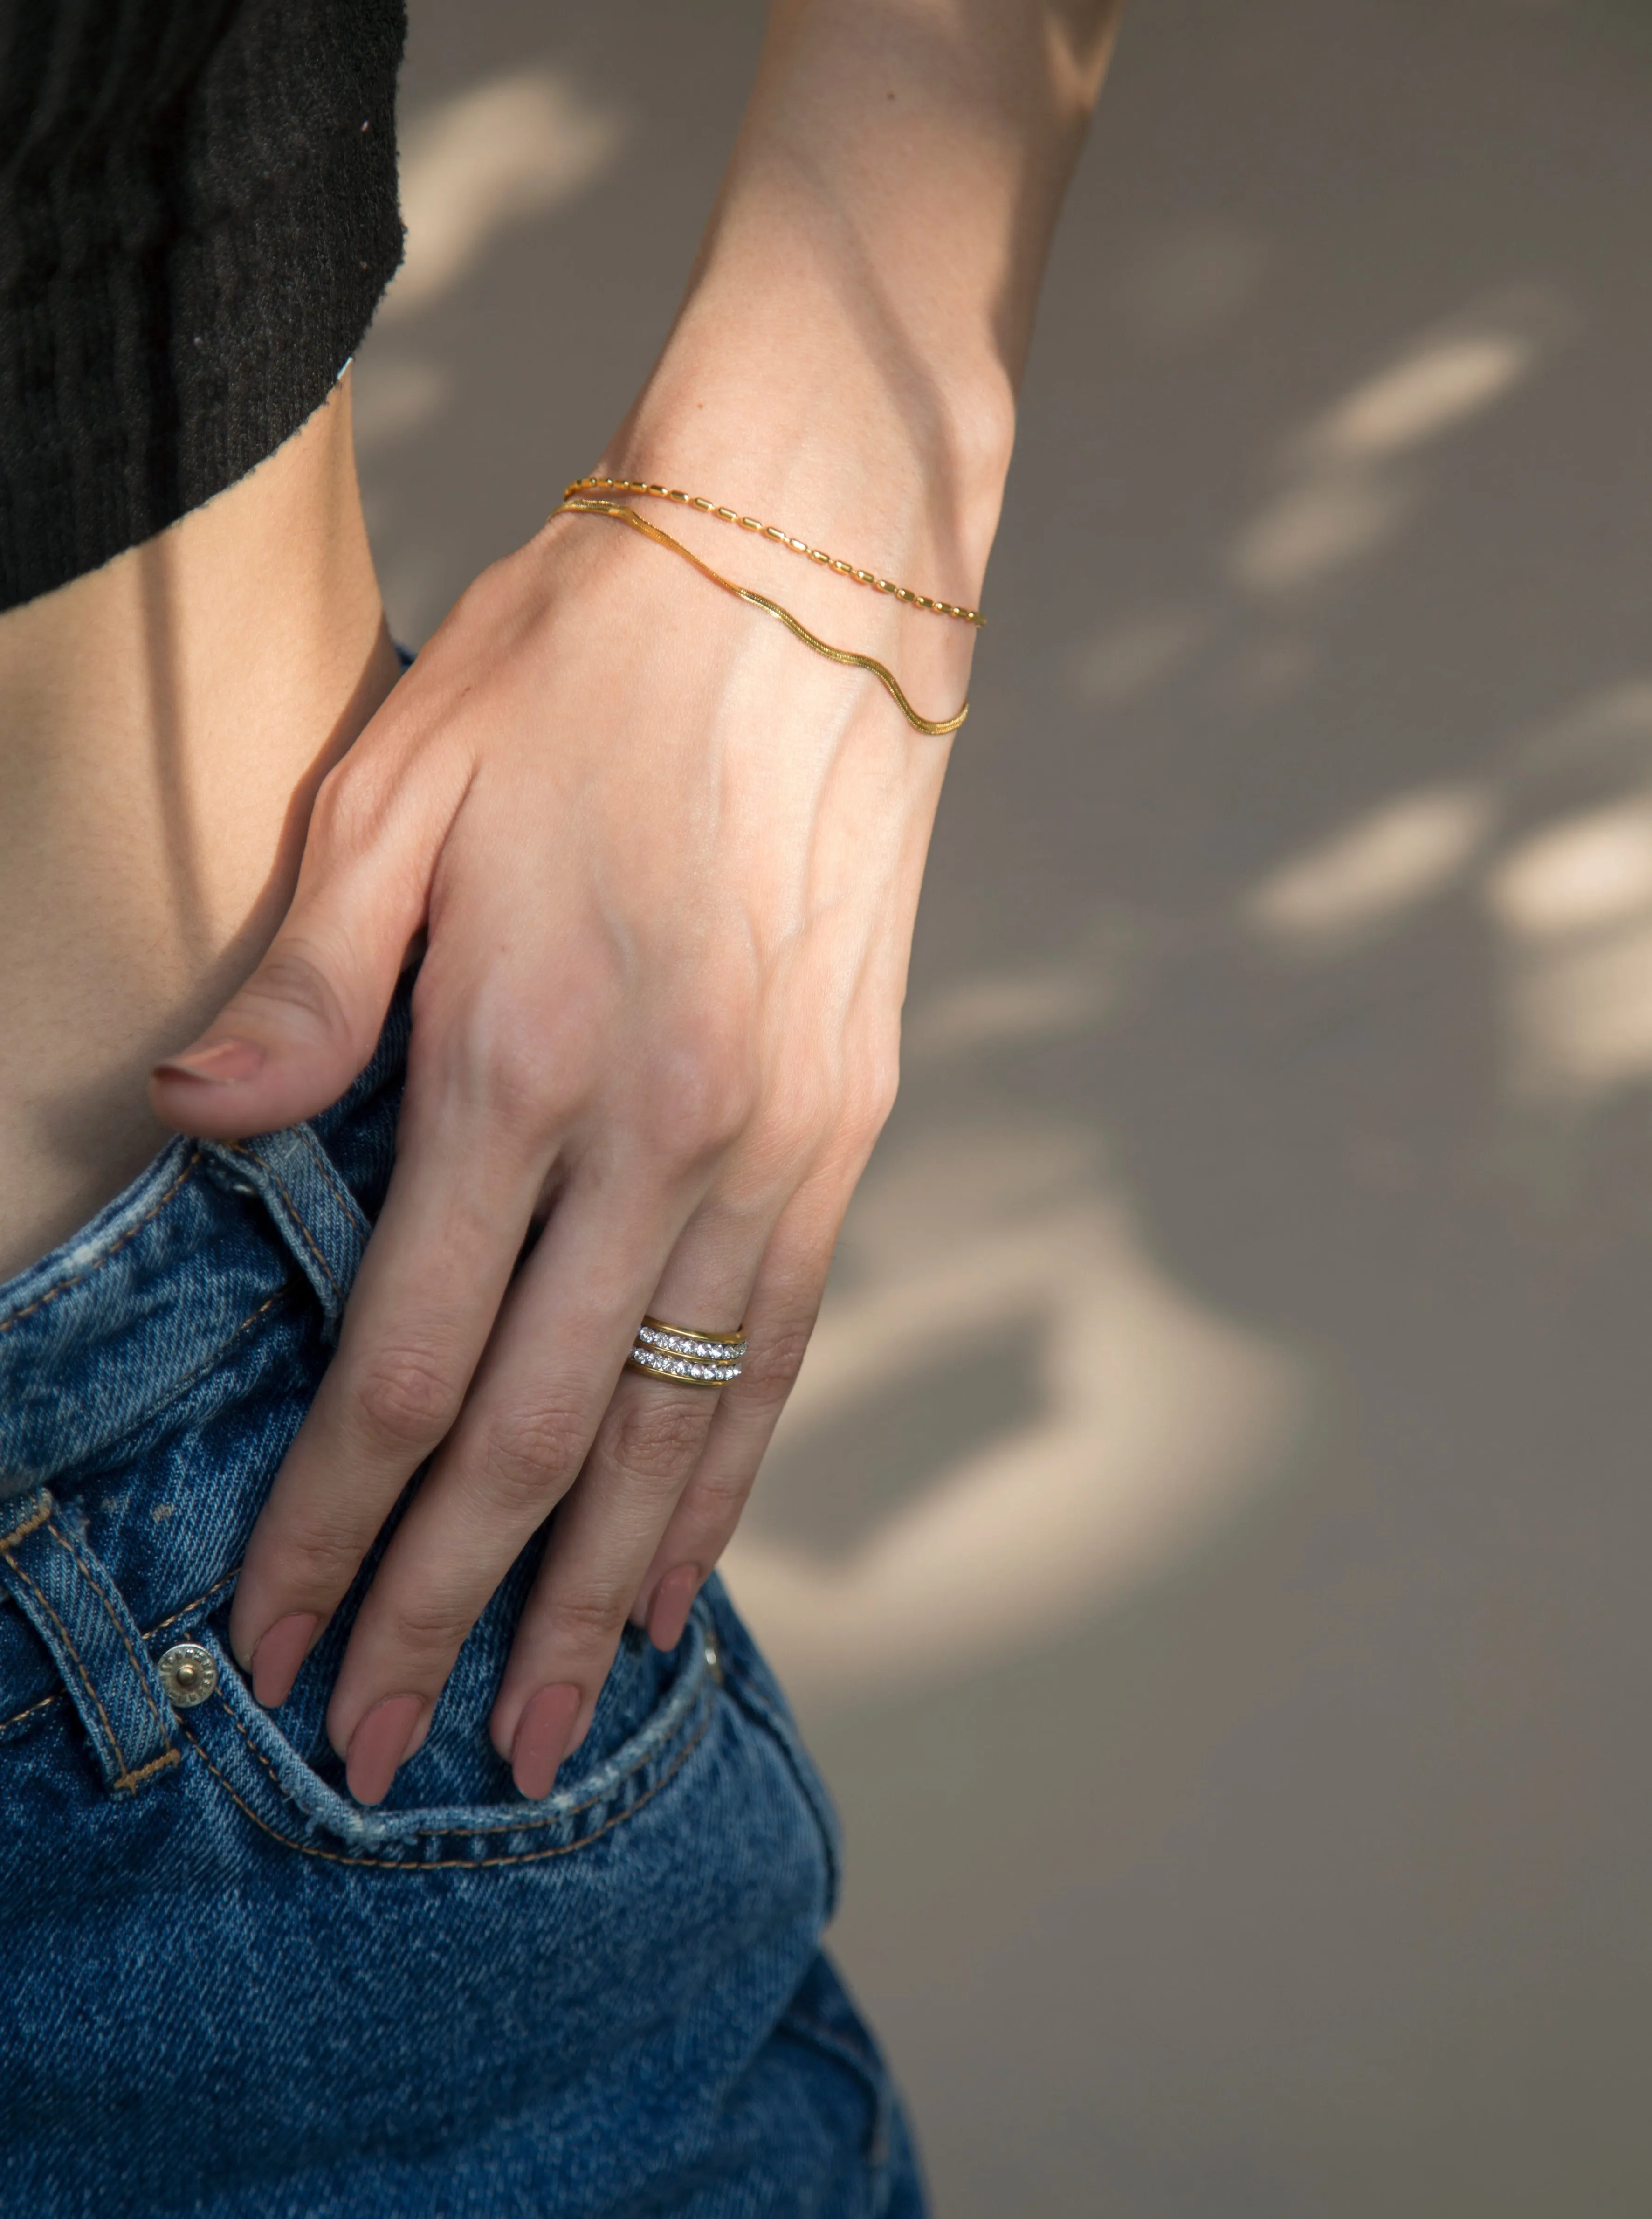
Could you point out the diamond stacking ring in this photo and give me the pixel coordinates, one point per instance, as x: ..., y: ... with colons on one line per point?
x: 678, y: 1353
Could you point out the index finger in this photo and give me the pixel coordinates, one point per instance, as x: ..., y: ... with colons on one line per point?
x: 433, y: 1277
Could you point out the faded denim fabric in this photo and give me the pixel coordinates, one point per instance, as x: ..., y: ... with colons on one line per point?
x: 229, y: 1992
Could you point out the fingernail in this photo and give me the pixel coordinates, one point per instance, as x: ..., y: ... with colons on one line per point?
x: 542, y: 1734
x: 378, y: 1745
x: 224, y: 1063
x: 278, y: 1655
x: 673, y: 1600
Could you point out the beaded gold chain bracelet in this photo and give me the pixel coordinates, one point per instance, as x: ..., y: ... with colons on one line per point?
x: 781, y: 539
x: 578, y: 504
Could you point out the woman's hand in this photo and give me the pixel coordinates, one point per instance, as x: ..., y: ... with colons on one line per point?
x: 667, y: 861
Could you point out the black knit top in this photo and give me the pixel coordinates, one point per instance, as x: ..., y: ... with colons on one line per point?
x: 198, y: 215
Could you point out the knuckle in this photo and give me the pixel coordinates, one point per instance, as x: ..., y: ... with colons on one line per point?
x: 508, y: 1082
x: 807, y: 1118
x: 528, y: 1454
x: 351, y: 804
x: 868, y: 1098
x: 655, y: 1435
x: 588, y: 1620
x: 817, y: 1126
x: 527, y: 1091
x: 527, y: 1077
x: 699, y: 1095
x: 870, y: 1108
x: 788, y: 1137
x: 773, y: 1362
x: 319, y: 1559
x: 291, y: 979
x: 406, y: 1398
x: 719, y: 1496
x: 426, y: 1629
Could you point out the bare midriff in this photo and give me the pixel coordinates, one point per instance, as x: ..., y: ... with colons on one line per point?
x: 165, y: 722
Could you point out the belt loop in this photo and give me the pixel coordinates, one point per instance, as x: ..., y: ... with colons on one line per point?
x: 314, y: 1212
x: 75, y: 1607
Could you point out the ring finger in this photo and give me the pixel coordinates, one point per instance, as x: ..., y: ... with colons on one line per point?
x: 782, y: 1307
x: 610, y: 1526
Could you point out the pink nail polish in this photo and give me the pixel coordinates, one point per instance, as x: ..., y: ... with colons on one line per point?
x: 223, y: 1063
x: 278, y: 1655
x: 380, y: 1741
x: 673, y: 1600
x: 542, y: 1734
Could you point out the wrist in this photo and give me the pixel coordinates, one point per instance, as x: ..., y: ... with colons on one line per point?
x: 763, y: 405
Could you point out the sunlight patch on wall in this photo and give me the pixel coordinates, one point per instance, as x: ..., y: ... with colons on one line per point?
x: 1568, y: 900
x: 1346, y: 494
x: 1368, y: 877
x: 1579, y: 1019
x: 1573, y: 904
x: 1133, y: 655
x: 1008, y: 1009
x: 1577, y: 877
x: 1430, y: 392
x: 510, y: 149
x: 1315, y: 529
x: 1157, y: 1419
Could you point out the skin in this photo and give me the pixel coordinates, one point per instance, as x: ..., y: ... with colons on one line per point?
x: 666, y: 863
x: 164, y: 723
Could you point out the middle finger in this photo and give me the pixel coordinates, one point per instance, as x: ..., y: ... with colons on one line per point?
x: 607, y: 1533
x: 533, y: 1409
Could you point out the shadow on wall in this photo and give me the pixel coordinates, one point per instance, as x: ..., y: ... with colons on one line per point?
x: 1114, y: 1419
x: 513, y: 150
x: 1017, y: 1409
x: 1051, y: 1415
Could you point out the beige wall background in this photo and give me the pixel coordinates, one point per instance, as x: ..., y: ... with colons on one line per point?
x: 1209, y: 1548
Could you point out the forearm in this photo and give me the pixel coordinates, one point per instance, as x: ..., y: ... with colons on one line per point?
x: 860, y: 310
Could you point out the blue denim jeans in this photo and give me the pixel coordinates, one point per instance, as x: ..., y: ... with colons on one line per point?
x: 229, y: 1991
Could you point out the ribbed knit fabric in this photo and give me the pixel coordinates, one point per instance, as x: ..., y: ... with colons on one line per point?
x: 198, y: 215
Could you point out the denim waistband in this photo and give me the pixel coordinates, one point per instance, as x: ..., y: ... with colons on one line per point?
x: 100, y: 1339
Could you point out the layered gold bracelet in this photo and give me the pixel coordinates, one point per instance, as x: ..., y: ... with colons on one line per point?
x: 574, y: 502
x: 606, y: 486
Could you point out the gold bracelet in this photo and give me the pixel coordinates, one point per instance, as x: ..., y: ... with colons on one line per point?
x: 577, y: 506
x: 780, y: 539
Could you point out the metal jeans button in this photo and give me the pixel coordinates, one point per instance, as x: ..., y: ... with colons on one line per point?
x: 188, y: 1674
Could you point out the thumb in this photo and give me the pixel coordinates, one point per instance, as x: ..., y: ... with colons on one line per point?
x: 290, y: 1041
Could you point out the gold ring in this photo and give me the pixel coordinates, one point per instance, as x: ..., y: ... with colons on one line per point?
x: 686, y: 1355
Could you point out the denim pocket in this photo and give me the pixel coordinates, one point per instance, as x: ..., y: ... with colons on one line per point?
x: 453, y: 1806
x: 471, y: 2002
x: 753, y: 1686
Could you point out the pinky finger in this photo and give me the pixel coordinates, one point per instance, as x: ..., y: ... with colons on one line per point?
x: 780, y: 1319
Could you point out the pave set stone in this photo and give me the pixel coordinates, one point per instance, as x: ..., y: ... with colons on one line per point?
x: 684, y: 1367
x: 667, y: 1354
x: 692, y: 1344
